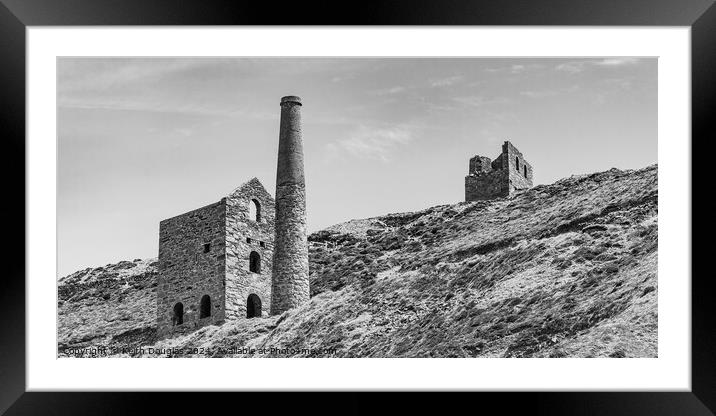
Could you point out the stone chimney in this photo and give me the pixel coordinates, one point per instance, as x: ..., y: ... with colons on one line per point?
x: 289, y: 280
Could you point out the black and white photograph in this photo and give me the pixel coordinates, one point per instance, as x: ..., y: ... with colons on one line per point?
x: 357, y: 207
x: 493, y: 198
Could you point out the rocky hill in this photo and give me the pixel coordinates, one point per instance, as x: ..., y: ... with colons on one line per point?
x: 114, y: 305
x: 561, y: 270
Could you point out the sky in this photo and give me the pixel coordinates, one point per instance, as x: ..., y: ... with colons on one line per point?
x: 144, y: 139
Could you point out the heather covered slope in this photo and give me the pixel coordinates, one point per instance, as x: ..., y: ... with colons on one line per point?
x: 560, y: 270
x: 112, y: 305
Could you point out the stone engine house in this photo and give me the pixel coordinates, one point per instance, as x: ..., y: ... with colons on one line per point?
x: 498, y: 178
x: 215, y: 262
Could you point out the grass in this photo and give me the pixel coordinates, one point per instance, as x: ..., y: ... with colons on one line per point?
x: 561, y: 270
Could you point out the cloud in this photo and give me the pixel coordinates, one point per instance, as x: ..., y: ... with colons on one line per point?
x: 571, y: 67
x: 341, y: 78
x: 389, y: 91
x: 186, y: 132
x: 467, y: 103
x: 617, y: 61
x: 474, y: 100
x: 81, y: 74
x: 575, y: 67
x: 147, y: 85
x: 160, y: 106
x: 539, y: 94
x: 434, y: 83
x: 374, y: 143
x: 516, y: 68
x: 619, y: 83
x: 446, y: 82
x: 479, y: 100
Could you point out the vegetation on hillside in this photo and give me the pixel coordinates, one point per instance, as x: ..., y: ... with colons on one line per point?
x: 561, y: 270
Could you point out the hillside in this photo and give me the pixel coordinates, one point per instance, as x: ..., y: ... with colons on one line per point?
x: 561, y: 270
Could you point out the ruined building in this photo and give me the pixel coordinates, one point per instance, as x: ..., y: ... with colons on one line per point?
x: 217, y: 263
x: 501, y: 177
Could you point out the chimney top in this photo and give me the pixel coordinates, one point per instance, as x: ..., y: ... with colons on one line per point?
x: 291, y: 99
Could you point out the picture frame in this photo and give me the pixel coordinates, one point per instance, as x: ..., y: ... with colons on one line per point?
x: 17, y: 15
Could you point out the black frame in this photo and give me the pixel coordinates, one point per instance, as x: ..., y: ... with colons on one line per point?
x: 15, y: 15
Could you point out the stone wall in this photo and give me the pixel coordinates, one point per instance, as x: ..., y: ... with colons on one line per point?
x: 479, y: 164
x: 244, y: 235
x: 189, y: 269
x: 487, y: 185
x: 500, y: 178
x: 520, y: 171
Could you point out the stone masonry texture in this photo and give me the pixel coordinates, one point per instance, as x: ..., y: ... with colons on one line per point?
x: 499, y: 178
x: 290, y: 286
x: 186, y: 272
x: 207, y: 252
x: 243, y: 236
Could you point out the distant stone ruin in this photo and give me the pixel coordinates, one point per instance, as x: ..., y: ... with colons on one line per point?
x: 500, y: 178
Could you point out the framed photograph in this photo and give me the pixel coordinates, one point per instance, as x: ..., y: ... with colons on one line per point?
x: 471, y: 198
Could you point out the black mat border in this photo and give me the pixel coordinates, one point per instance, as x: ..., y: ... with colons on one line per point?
x: 16, y: 15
